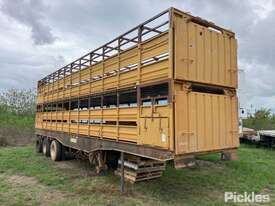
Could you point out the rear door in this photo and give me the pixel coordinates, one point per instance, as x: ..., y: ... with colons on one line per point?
x: 205, y: 122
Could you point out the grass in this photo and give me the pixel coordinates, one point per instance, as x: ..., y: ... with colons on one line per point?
x: 15, y: 129
x: 12, y: 120
x: 27, y: 178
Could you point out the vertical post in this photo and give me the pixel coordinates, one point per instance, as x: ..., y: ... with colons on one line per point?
x: 78, y: 97
x: 70, y: 98
x: 90, y: 92
x: 122, y: 173
x: 63, y: 97
x: 171, y: 60
x: 118, y: 86
x: 140, y: 29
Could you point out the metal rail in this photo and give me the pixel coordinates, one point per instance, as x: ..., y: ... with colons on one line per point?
x: 123, y: 42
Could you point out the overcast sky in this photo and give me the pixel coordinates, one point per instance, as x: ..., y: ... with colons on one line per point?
x: 37, y: 36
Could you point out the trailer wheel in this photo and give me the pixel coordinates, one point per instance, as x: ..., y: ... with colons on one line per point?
x: 56, y: 151
x: 46, y: 147
x: 38, y: 146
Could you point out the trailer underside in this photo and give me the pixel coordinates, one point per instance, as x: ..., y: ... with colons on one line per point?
x: 91, y: 144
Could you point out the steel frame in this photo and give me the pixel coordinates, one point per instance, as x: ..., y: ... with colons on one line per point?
x: 114, y: 46
x: 90, y: 144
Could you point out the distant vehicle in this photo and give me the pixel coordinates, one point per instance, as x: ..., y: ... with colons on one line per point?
x: 267, y: 138
x: 165, y: 90
x: 249, y: 135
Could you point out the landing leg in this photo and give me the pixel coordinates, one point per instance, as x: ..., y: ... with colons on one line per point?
x: 122, y: 173
x: 98, y: 158
x: 229, y: 155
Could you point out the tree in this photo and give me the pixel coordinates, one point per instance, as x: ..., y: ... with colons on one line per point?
x: 18, y: 101
x: 263, y: 119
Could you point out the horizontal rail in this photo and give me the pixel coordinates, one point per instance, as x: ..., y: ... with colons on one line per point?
x: 100, y: 54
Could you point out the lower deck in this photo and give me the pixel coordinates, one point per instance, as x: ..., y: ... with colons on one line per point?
x: 173, y: 116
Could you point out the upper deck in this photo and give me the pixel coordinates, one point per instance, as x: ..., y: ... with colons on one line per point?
x: 171, y: 45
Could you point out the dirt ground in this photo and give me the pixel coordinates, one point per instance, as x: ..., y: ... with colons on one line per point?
x: 44, y: 195
x: 16, y: 137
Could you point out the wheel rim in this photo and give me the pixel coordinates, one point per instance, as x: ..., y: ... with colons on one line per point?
x: 53, y: 150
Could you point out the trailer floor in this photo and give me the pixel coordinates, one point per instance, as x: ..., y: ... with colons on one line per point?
x: 27, y: 178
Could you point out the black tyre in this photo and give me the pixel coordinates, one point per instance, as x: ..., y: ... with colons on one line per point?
x: 56, y: 151
x: 46, y: 147
x: 38, y: 145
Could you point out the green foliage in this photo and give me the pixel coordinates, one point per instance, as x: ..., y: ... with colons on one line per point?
x: 12, y: 120
x: 263, y: 119
x: 17, y: 108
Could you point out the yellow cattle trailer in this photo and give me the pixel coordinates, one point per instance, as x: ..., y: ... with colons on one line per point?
x: 164, y: 90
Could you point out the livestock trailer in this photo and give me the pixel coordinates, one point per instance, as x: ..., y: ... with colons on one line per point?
x: 164, y: 90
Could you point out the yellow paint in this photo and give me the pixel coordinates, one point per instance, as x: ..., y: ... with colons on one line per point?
x: 193, y: 122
